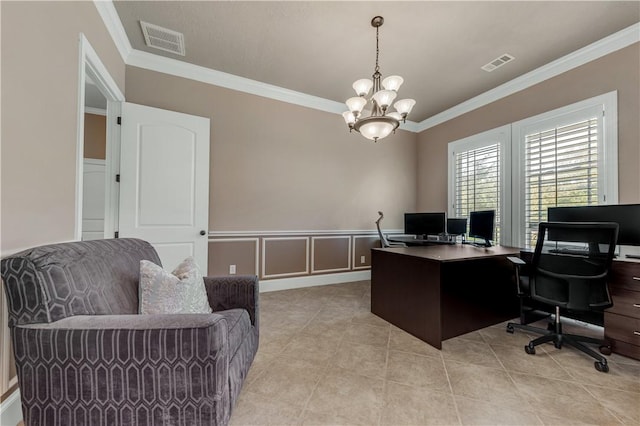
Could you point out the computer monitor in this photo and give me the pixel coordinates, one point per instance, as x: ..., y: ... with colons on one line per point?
x: 424, y: 223
x: 627, y: 216
x: 481, y: 225
x: 457, y: 225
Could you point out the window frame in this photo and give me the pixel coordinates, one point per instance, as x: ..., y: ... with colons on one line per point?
x: 512, y: 140
x: 502, y: 136
x: 605, y: 108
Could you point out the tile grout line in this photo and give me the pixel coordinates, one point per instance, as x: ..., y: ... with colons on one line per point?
x: 515, y: 385
x: 384, y: 382
x: 322, y: 370
x: 325, y: 367
x: 603, y: 406
x: 453, y: 396
x: 572, y: 379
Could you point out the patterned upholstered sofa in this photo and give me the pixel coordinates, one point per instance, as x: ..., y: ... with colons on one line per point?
x: 84, y: 355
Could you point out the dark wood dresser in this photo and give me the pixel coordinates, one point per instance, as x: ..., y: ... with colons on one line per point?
x: 622, y: 321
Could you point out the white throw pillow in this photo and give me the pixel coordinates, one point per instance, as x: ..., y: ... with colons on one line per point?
x: 179, y: 292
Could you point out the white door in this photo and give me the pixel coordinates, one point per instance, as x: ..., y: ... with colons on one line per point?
x: 93, y: 199
x: 164, y: 182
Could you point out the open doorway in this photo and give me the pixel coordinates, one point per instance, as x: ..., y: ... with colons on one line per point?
x: 99, y: 105
x: 94, y: 170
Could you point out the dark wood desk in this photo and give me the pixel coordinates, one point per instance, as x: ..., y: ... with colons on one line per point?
x: 439, y: 292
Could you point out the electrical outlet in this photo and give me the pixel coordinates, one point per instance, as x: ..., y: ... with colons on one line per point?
x: 362, y: 259
x: 232, y: 269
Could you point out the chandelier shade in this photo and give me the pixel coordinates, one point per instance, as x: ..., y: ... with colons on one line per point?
x: 404, y: 106
x: 363, y: 86
x: 375, y: 128
x: 380, y: 122
x: 393, y: 82
x: 356, y: 104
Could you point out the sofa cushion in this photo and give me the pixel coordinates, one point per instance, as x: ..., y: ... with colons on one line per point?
x: 239, y: 325
x: 48, y: 283
x: 179, y: 292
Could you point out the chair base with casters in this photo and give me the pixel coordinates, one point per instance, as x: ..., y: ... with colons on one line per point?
x: 554, y: 334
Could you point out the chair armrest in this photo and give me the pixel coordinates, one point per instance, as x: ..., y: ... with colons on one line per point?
x: 123, y: 361
x: 234, y: 291
x: 519, y: 264
x: 516, y: 261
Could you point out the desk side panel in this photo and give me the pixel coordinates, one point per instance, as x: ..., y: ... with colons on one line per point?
x: 405, y: 291
x: 476, y: 294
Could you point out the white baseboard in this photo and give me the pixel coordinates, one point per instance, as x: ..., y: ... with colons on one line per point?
x: 313, y: 280
x: 11, y: 410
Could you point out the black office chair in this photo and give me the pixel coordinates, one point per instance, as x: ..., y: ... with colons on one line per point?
x: 569, y: 270
x: 383, y: 239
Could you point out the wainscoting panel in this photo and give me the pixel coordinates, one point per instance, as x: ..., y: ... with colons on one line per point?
x: 293, y: 259
x: 285, y: 256
x: 241, y: 252
x: 362, y: 245
x: 330, y: 254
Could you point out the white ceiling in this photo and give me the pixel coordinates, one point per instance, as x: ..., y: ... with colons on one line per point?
x: 321, y: 47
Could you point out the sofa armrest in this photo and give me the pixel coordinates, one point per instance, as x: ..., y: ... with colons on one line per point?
x: 118, y: 363
x: 234, y: 291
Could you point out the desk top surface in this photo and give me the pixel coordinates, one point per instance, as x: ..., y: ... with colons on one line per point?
x: 452, y: 253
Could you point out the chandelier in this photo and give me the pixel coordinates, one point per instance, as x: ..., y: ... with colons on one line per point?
x: 380, y: 122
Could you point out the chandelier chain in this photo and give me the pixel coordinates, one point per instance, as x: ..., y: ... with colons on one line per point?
x: 377, y: 50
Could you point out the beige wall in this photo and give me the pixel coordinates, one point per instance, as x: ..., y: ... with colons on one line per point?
x: 617, y: 71
x: 40, y: 79
x: 277, y: 166
x: 95, y: 136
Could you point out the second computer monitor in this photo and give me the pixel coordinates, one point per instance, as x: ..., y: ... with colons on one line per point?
x: 481, y: 225
x: 423, y: 224
x: 457, y: 225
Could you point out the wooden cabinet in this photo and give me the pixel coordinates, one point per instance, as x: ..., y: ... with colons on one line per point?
x: 622, y: 321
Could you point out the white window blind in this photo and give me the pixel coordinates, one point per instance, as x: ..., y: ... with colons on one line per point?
x: 560, y: 169
x: 477, y: 181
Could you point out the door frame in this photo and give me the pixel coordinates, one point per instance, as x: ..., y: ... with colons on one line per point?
x: 90, y: 64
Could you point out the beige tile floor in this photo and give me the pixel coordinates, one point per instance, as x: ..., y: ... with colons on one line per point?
x: 324, y: 359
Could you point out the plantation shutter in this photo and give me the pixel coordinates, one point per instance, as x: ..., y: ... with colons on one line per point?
x: 561, y: 169
x: 477, y: 181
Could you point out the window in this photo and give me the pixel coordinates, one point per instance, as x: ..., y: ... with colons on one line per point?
x: 560, y: 169
x: 476, y: 166
x: 564, y: 157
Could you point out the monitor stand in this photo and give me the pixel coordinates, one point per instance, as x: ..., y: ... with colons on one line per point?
x: 486, y: 244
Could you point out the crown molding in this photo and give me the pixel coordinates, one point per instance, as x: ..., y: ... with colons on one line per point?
x: 152, y: 62
x: 162, y: 64
x: 112, y: 21
x: 178, y: 68
x: 596, y: 50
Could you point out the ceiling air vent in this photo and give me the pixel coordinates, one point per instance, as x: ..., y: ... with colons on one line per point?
x: 498, y: 62
x: 162, y: 38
